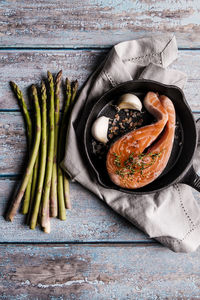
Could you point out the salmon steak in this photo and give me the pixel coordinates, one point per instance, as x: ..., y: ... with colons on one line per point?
x: 140, y: 156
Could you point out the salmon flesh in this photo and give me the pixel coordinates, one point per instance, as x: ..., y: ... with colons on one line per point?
x: 129, y: 163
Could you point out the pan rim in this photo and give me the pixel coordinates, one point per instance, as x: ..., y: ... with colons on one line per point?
x: 179, y: 178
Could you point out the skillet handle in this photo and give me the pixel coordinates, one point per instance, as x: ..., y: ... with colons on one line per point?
x: 192, y: 179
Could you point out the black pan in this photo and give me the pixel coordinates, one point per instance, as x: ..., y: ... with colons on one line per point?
x: 179, y: 168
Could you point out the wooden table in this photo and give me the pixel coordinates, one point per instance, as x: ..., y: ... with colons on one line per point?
x: 95, y: 254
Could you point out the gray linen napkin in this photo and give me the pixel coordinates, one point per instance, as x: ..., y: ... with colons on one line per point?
x: 171, y: 216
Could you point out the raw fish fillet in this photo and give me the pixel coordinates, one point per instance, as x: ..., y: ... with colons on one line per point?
x: 128, y: 164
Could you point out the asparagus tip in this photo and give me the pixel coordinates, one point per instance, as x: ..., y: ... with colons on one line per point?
x: 12, y: 83
x: 58, y: 78
x: 43, y: 87
x: 33, y: 88
x: 16, y: 89
x: 76, y: 83
x: 67, y: 80
x: 50, y: 76
x: 74, y: 86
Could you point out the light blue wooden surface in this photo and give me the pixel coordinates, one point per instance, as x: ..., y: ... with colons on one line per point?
x: 105, y: 272
x: 29, y: 66
x: 80, y: 33
x: 96, y: 23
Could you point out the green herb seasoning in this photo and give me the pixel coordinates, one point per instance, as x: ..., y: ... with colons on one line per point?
x: 120, y: 173
x: 117, y: 161
x: 135, y: 163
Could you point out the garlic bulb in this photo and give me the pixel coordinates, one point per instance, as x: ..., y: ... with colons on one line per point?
x: 129, y: 101
x: 100, y: 129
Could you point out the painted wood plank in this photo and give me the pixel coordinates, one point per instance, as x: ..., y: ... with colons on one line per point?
x: 13, y: 143
x: 89, y: 220
x: 13, y: 147
x: 88, y: 272
x: 45, y: 23
x: 27, y: 67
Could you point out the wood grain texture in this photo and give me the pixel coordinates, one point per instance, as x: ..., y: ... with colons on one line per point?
x: 45, y: 23
x: 96, y: 273
x: 134, y: 271
x: 27, y: 67
x: 89, y: 220
x: 13, y: 143
x: 13, y: 147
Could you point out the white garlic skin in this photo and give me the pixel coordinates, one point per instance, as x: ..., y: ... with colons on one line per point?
x: 100, y: 129
x: 129, y: 101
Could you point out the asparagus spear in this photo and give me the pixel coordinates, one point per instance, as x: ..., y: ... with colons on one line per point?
x: 61, y: 200
x: 74, y: 90
x: 28, y: 121
x: 17, y: 200
x: 65, y: 179
x: 33, y: 187
x: 27, y: 117
x: 66, y: 192
x: 49, y: 166
x: 53, y: 194
x: 47, y: 227
x: 43, y: 156
x: 27, y: 196
x: 34, y: 181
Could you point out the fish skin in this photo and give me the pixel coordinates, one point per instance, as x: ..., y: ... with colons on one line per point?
x: 164, y: 144
x: 138, y: 140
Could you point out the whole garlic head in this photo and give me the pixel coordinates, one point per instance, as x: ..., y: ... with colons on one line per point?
x: 129, y: 101
x: 100, y: 129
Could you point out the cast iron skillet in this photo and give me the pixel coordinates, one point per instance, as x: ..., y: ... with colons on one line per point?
x: 179, y: 168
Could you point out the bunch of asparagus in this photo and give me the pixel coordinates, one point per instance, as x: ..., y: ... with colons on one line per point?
x: 45, y: 188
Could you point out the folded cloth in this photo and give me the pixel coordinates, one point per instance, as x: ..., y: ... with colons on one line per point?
x: 171, y: 216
